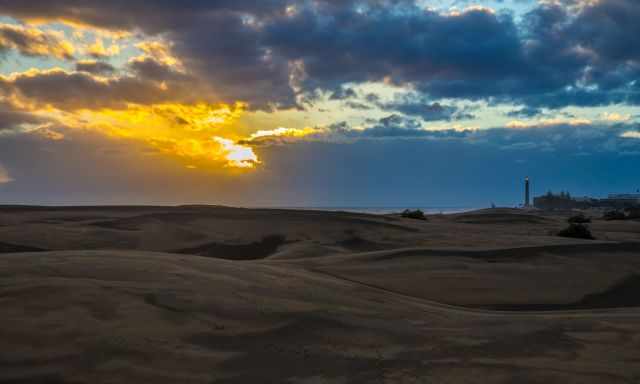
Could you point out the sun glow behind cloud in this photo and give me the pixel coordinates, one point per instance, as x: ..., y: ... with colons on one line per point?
x: 283, y: 132
x: 200, y: 133
x: 237, y: 155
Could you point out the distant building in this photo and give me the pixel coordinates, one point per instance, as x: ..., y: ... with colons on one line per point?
x: 624, y: 196
x: 622, y: 200
x: 564, y: 201
x: 527, y: 202
x: 551, y: 201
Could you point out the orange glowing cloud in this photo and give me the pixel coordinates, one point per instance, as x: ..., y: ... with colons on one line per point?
x: 196, y: 133
x: 201, y: 134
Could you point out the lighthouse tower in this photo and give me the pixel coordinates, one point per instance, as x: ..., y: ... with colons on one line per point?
x: 527, y: 202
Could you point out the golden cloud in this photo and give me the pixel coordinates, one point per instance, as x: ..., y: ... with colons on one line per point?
x: 98, y: 49
x: 202, y: 133
x: 159, y: 51
x: 73, y: 90
x: 31, y: 41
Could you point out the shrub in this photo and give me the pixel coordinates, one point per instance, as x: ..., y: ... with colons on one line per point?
x: 577, y: 231
x: 579, y: 219
x: 417, y: 214
x: 614, y: 215
x: 633, y: 212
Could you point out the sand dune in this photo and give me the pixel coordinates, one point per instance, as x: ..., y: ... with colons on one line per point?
x: 338, y: 298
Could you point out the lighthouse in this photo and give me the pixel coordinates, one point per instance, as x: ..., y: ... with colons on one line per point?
x: 526, y: 192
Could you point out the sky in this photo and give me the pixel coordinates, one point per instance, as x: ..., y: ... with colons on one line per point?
x: 362, y: 103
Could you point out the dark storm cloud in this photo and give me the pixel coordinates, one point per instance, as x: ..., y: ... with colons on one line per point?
x: 526, y: 112
x: 610, y: 28
x: 95, y: 67
x: 389, y: 127
x: 226, y: 52
x: 156, y: 16
x: 428, y: 111
x: 151, y: 17
x: 151, y: 69
x: 256, y: 51
x: 405, y: 44
x: 76, y: 90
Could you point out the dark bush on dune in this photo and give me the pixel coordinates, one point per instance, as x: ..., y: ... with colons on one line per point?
x: 614, y: 215
x: 633, y: 213
x: 577, y: 231
x: 579, y: 219
x: 417, y: 214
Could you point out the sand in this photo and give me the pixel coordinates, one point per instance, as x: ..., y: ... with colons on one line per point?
x: 201, y: 294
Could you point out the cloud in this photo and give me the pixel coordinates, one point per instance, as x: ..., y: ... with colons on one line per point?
x: 122, y: 171
x: 343, y: 93
x: 237, y: 155
x: 160, y: 51
x: 13, y: 118
x: 616, y: 117
x: 348, y: 46
x: 128, y: 107
x: 146, y: 67
x: 564, y: 135
x: 49, y: 134
x: 525, y: 112
x: 413, y: 106
x: 198, y: 55
x: 71, y: 90
x: 631, y: 135
x: 556, y: 55
x: 34, y: 42
x: 4, y: 175
x: 198, y: 134
x: 95, y: 67
x: 547, y: 122
x: 280, y: 135
x: 98, y: 50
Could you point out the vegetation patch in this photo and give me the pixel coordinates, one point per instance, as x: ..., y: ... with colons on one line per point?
x: 417, y: 214
x: 579, y: 219
x: 577, y: 231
